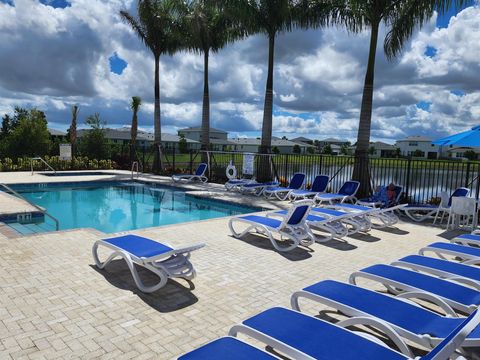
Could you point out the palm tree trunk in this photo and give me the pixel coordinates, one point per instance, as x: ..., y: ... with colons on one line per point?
x: 157, y: 163
x: 134, y: 131
x: 206, y: 106
x: 264, y: 173
x: 361, y: 170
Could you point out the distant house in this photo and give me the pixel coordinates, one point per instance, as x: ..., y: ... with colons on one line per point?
x: 284, y: 146
x: 383, y: 150
x: 333, y: 144
x: 418, y: 146
x: 57, y: 134
x: 303, y: 140
x: 121, y: 136
x: 218, y: 138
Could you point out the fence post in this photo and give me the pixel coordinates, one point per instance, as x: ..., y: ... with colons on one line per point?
x: 191, y: 161
x: 173, y: 159
x: 467, y: 177
x: 409, y: 168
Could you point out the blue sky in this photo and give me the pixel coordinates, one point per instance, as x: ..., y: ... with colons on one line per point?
x: 57, y: 53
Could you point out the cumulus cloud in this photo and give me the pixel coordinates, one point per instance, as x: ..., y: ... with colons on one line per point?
x: 55, y: 53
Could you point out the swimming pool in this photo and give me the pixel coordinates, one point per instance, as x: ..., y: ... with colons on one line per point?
x: 120, y: 206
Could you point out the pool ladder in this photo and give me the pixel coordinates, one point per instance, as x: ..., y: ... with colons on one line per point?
x: 135, y: 165
x: 43, y: 211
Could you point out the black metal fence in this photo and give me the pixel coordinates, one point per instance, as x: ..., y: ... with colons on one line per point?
x: 422, y: 180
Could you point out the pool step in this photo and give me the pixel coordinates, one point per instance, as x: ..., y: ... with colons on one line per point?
x: 29, y: 229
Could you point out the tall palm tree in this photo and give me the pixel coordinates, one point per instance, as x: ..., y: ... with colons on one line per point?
x: 158, y: 26
x: 209, y: 29
x: 135, y: 106
x: 73, y: 129
x: 401, y: 18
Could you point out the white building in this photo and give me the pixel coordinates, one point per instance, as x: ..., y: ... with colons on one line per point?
x: 195, y: 133
x: 252, y: 145
x: 418, y: 146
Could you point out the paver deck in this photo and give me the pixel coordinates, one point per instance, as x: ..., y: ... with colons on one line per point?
x: 55, y: 304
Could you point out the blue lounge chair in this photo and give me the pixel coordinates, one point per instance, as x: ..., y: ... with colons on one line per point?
x: 333, y: 226
x: 280, y: 192
x: 255, y: 188
x: 198, y: 176
x: 468, y: 254
x: 366, y: 307
x: 379, y: 217
x: 398, y: 280
x: 346, y: 193
x: 162, y: 260
x: 355, y: 222
x: 421, y: 212
x: 461, y: 273
x: 472, y: 239
x: 228, y: 348
x: 292, y: 227
x: 319, y: 186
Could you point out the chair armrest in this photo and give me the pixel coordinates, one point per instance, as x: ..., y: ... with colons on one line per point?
x: 383, y: 327
x: 430, y: 298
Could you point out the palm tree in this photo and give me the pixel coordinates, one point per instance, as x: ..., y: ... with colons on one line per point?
x: 73, y: 129
x: 209, y: 30
x: 135, y: 106
x: 159, y: 27
x: 401, y: 18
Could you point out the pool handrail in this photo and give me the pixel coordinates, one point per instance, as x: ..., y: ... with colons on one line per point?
x: 43, y: 161
x: 42, y: 210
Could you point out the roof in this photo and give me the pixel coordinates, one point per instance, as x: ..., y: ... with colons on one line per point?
x: 333, y: 140
x: 199, y: 128
x: 416, y: 138
x: 55, y: 132
x: 302, y: 139
x: 382, y: 146
x: 124, y: 134
x: 275, y: 142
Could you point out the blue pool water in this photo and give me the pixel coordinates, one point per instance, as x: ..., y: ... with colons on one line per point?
x: 113, y: 207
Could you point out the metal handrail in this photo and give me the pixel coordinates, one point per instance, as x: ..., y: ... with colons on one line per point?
x: 135, y: 164
x: 43, y: 161
x: 43, y: 211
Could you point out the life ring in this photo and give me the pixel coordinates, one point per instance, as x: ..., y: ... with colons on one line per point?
x: 231, y: 172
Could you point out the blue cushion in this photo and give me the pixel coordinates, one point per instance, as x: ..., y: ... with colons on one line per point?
x: 309, y: 217
x: 139, y: 246
x: 271, y: 183
x: 471, y: 272
x: 227, y: 348
x: 475, y: 238
x: 349, y: 188
x: 468, y: 250
x: 320, y: 183
x: 201, y: 169
x: 297, y: 215
x: 317, y: 338
x: 330, y: 196
x: 460, y: 192
x: 297, y: 181
x: 273, y: 223
x: 330, y: 212
x: 355, y: 207
x: 446, y: 289
x: 412, y: 318
x: 301, y: 192
x: 276, y: 189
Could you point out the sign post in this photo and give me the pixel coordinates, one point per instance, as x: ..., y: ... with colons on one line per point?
x: 65, y: 152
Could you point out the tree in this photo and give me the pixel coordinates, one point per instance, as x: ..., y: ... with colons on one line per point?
x: 92, y: 143
x: 296, y: 149
x: 470, y: 155
x: 182, y: 144
x: 159, y: 27
x: 398, y: 152
x: 209, y: 30
x: 418, y: 153
x: 400, y: 17
x: 371, y: 150
x: 311, y: 150
x: 327, y: 150
x: 135, y: 106
x: 344, y: 149
x: 30, y: 136
x: 73, y: 129
x: 269, y: 17
x: 275, y: 150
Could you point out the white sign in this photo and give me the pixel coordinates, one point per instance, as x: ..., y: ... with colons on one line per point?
x: 248, y: 160
x: 65, y: 152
